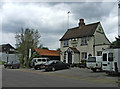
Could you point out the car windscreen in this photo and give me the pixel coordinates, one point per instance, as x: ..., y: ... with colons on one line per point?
x: 44, y: 60
x: 33, y: 60
x: 49, y: 62
x: 91, y: 59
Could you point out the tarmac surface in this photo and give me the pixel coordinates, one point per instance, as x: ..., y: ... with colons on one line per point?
x: 73, y: 77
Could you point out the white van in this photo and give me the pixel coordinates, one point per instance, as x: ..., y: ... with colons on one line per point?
x: 111, y: 61
x: 37, y: 62
x: 94, y: 63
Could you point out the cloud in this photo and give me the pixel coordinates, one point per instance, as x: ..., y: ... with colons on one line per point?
x: 51, y: 18
x: 8, y: 38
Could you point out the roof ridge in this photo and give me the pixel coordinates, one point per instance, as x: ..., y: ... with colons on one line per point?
x: 85, y: 25
x: 93, y: 23
x: 47, y: 50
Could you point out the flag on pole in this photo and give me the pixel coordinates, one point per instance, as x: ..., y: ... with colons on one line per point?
x: 68, y: 12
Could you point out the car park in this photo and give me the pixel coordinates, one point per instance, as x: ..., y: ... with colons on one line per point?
x: 12, y: 64
x: 36, y: 63
x: 55, y: 65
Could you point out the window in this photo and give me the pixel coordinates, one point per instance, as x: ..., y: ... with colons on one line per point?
x: 12, y: 50
x: 99, y: 53
x: 39, y: 60
x: 44, y: 60
x: 110, y: 57
x: 105, y: 57
x: 84, y: 41
x: 84, y: 55
x: 75, y: 39
x: 91, y: 59
x: 66, y: 43
x: 48, y: 59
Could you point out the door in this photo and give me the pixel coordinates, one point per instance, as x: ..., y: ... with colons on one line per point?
x: 70, y: 58
x: 105, y: 62
x: 110, y: 61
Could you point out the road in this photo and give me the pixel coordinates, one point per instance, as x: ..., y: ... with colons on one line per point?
x: 74, y: 77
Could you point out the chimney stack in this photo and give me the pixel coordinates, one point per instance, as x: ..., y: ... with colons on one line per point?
x: 81, y: 22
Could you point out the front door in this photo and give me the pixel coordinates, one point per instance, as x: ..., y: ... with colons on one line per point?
x: 70, y: 57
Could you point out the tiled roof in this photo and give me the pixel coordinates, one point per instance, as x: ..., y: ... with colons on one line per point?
x: 74, y: 49
x: 87, y: 30
x: 48, y: 52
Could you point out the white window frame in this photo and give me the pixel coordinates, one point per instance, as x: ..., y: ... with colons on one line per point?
x: 84, y: 55
x: 66, y: 42
x: 99, y: 52
x: 84, y: 41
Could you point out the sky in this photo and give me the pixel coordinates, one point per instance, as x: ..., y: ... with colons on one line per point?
x: 51, y: 19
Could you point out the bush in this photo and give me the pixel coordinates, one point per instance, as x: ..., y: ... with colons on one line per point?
x: 22, y: 66
x: 2, y: 62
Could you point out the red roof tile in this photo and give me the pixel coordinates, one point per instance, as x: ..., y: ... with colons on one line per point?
x: 87, y: 30
x: 47, y: 52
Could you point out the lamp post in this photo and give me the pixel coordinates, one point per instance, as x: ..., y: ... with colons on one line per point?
x: 7, y: 55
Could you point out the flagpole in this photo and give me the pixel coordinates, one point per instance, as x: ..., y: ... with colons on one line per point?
x: 68, y: 18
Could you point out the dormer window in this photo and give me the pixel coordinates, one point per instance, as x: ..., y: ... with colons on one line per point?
x: 12, y: 50
x: 66, y: 43
x: 84, y: 41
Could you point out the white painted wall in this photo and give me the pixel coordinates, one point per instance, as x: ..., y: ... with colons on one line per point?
x: 98, y: 38
x: 11, y: 57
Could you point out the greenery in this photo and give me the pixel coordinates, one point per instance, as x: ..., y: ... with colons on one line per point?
x: 2, y: 62
x: 42, y: 47
x: 58, y: 49
x: 22, y: 66
x: 27, y: 40
x: 116, y: 43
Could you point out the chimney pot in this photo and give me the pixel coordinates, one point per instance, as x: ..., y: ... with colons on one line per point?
x: 81, y: 22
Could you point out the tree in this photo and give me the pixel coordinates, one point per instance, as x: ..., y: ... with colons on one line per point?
x: 26, y: 40
x: 42, y: 47
x: 58, y: 49
x: 116, y: 43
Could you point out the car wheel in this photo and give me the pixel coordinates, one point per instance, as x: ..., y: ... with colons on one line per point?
x: 94, y: 70
x: 35, y: 68
x: 53, y: 69
x: 68, y: 67
x: 12, y: 67
x: 18, y: 67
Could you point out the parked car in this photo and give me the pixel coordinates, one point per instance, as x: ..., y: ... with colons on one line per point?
x: 94, y: 63
x: 36, y: 63
x: 55, y: 65
x: 12, y: 65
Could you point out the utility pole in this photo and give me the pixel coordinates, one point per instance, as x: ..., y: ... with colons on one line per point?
x: 119, y: 17
x: 68, y: 18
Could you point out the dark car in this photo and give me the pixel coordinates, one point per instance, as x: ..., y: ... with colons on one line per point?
x: 12, y: 65
x: 55, y: 65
